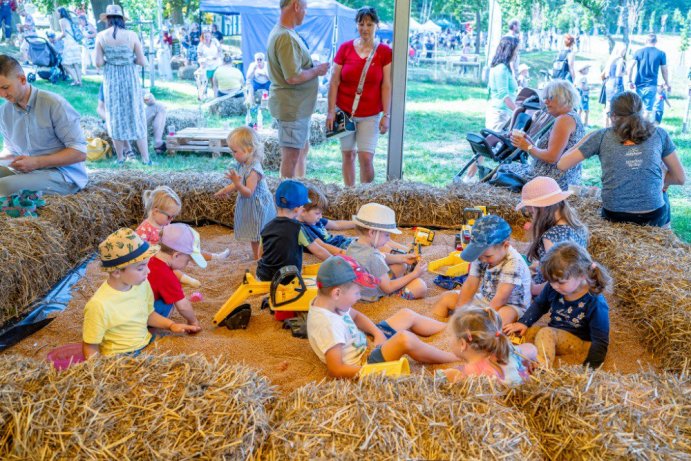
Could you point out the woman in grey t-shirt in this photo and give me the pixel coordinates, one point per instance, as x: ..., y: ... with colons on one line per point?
x: 631, y: 152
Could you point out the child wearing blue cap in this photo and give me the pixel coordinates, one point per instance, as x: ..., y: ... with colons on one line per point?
x: 337, y: 332
x: 283, y: 239
x: 499, y: 277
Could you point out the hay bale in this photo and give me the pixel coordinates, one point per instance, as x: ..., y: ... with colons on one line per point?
x: 94, y: 127
x: 186, y: 72
x: 412, y: 418
x: 176, y: 62
x: 173, y: 407
x: 272, y: 153
x: 317, y: 129
x: 182, y: 118
x: 35, y: 256
x: 227, y: 107
x: 581, y: 414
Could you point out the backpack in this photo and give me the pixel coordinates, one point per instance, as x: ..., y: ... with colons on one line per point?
x: 560, y: 66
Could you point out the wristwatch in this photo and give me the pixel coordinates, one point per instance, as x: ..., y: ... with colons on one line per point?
x: 386, y: 115
x: 529, y: 148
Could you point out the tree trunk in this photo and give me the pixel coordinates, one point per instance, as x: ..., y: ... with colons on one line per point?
x: 99, y: 6
x: 625, y: 22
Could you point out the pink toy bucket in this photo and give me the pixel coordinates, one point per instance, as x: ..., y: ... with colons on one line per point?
x: 65, y: 356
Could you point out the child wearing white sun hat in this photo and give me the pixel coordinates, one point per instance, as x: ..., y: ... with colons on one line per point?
x: 375, y: 223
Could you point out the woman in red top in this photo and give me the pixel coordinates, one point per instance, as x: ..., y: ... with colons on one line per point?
x: 376, y: 95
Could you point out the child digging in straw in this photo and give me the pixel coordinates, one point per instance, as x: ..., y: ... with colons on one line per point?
x: 118, y: 314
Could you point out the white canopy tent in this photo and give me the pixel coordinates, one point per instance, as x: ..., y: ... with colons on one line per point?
x: 430, y: 26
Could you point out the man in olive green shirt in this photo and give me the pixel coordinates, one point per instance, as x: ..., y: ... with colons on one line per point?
x: 294, y: 85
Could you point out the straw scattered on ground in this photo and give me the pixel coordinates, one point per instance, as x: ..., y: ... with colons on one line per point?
x: 149, y: 407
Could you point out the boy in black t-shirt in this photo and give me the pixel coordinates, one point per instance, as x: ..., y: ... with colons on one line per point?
x: 282, y: 239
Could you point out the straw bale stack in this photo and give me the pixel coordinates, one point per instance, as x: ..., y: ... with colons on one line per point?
x: 581, y: 414
x: 34, y: 257
x: 227, y: 106
x: 94, y: 127
x: 317, y: 129
x: 186, y: 72
x: 150, y: 407
x: 182, y: 118
x: 272, y: 153
x: 410, y: 418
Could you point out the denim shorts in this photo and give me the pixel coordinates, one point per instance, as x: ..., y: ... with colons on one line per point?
x: 365, y: 136
x: 657, y: 218
x: 647, y: 94
x: 376, y: 356
x: 386, y: 329
x: 293, y: 134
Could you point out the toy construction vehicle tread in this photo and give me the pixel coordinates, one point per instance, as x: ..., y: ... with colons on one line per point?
x: 239, y: 318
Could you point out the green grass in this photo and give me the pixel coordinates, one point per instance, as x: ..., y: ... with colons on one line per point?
x: 439, y: 114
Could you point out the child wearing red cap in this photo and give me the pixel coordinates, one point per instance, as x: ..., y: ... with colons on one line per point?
x: 336, y: 331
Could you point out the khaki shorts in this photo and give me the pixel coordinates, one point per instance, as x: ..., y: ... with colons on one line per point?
x: 293, y: 134
x: 364, y: 137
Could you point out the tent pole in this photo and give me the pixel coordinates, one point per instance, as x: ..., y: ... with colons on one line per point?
x: 394, y: 167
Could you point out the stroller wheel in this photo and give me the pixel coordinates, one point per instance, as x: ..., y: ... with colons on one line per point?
x: 31, y: 78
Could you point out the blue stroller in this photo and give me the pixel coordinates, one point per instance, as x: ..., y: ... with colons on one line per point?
x: 46, y: 60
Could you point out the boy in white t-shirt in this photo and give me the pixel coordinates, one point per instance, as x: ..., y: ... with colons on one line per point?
x: 336, y: 331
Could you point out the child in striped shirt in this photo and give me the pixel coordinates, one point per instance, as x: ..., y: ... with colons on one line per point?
x: 254, y: 205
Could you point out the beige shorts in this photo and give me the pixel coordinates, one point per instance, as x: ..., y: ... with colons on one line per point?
x: 293, y: 134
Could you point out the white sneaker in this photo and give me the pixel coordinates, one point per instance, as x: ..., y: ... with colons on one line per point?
x: 470, y: 179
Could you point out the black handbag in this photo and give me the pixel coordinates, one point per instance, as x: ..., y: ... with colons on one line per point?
x: 603, y: 94
x: 343, y: 124
x: 508, y: 180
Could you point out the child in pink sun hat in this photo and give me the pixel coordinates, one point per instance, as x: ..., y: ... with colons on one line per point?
x: 553, y: 221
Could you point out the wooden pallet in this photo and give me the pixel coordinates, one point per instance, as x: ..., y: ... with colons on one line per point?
x: 199, y: 140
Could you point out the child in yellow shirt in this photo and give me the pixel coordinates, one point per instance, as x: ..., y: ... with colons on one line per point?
x: 117, y: 315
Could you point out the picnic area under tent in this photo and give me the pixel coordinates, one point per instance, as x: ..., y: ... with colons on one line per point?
x: 327, y: 24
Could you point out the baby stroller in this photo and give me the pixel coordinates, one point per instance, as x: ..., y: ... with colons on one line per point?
x: 46, y: 60
x: 528, y: 117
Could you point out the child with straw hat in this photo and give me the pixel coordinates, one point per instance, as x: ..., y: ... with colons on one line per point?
x: 375, y: 223
x: 118, y: 314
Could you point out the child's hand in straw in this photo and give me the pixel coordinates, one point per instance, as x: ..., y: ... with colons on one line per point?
x: 183, y: 328
x: 515, y: 328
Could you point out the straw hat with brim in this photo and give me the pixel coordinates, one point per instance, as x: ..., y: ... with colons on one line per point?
x: 123, y: 248
x: 541, y: 192
x: 112, y: 10
x: 376, y: 217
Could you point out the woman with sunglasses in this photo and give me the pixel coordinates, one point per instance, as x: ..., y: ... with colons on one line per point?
x: 561, y: 100
x: 372, y: 114
x: 639, y: 162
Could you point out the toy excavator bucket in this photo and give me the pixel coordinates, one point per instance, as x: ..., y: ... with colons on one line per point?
x: 250, y: 286
x: 400, y: 367
x: 450, y: 266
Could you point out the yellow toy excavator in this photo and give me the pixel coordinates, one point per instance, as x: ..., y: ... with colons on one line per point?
x: 289, y: 290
